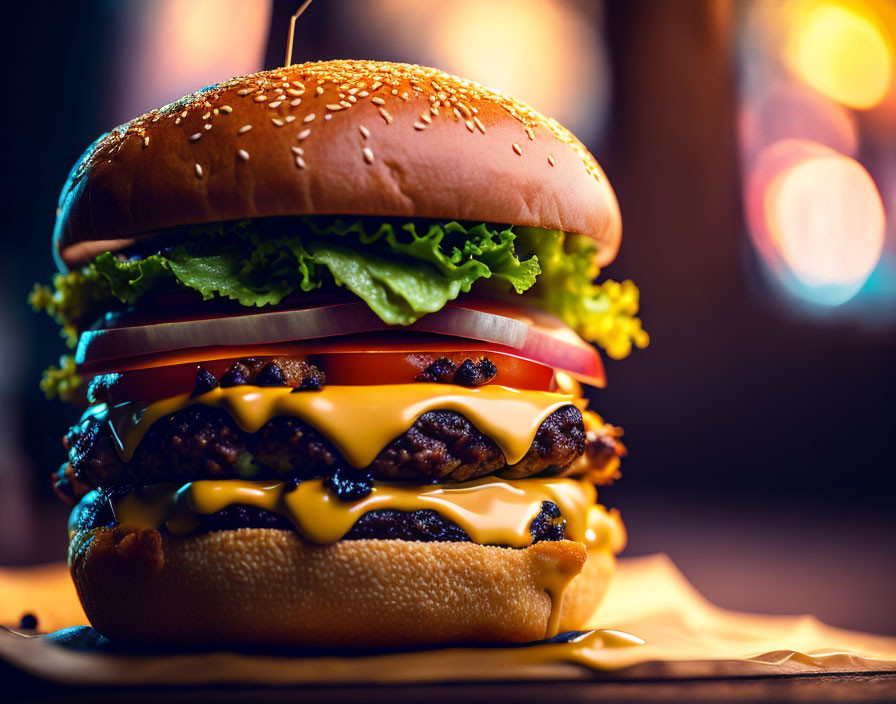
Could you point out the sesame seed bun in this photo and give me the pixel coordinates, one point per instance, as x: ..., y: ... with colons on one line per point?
x: 334, y: 138
x: 271, y: 587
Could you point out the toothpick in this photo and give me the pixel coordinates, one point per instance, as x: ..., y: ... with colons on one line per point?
x: 292, y: 32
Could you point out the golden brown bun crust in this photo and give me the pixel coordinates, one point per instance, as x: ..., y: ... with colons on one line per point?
x: 400, y: 141
x: 263, y: 586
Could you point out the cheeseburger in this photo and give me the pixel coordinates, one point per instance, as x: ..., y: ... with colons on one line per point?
x: 329, y: 326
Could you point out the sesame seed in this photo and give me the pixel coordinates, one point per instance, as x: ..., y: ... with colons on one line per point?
x: 386, y: 116
x: 395, y: 91
x: 345, y: 103
x: 244, y: 92
x: 319, y: 90
x: 304, y: 133
x: 405, y: 96
x: 479, y: 124
x: 334, y: 106
x: 290, y: 118
x: 365, y: 133
x: 352, y: 99
x: 243, y: 154
x: 198, y: 170
x: 465, y: 110
x: 207, y: 126
x: 377, y: 100
x: 298, y: 151
x: 184, y: 113
x: 194, y: 137
x: 530, y: 133
x: 517, y: 148
x: 434, y: 110
x: 456, y: 113
x: 469, y: 124
x: 328, y: 116
x: 177, y: 121
x: 260, y: 98
x: 363, y: 94
x: 300, y: 162
x: 419, y: 125
x: 308, y: 118
x: 295, y: 102
x: 551, y: 160
x: 426, y: 118
x: 299, y: 85
x: 368, y: 155
x: 145, y: 142
x: 277, y: 122
x: 275, y: 104
x: 206, y: 116
x: 293, y: 92
x: 376, y: 84
x: 244, y: 129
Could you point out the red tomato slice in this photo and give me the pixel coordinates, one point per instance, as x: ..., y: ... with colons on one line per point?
x: 343, y: 368
x: 529, y: 334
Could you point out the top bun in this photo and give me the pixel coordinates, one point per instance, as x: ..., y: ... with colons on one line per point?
x: 334, y: 138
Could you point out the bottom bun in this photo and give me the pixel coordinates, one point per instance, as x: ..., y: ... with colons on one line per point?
x: 262, y: 586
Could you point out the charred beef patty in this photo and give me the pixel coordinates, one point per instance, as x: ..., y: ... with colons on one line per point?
x: 382, y: 524
x: 201, y: 443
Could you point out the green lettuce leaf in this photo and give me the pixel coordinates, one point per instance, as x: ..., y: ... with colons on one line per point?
x: 131, y: 280
x: 399, y: 292
x: 402, y: 270
x: 601, y: 313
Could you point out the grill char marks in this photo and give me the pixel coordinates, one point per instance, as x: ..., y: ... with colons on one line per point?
x: 468, y: 373
x: 201, y: 442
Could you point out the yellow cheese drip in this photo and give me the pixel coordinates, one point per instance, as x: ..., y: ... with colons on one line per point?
x: 359, y: 420
x: 491, y: 511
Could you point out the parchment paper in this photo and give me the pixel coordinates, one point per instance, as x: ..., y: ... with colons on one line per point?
x: 685, y: 637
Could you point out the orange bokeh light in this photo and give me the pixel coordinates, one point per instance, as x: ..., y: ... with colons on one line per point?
x: 841, y: 49
x: 172, y: 47
x: 817, y: 218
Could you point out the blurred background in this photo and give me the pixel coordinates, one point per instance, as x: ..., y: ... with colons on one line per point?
x: 752, y: 146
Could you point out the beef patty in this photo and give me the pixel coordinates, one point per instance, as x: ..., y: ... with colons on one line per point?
x: 200, y: 442
x: 388, y: 524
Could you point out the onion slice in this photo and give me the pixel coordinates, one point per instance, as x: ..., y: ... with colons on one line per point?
x: 533, y: 334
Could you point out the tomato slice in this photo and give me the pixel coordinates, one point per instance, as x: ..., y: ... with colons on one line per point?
x: 529, y: 334
x: 376, y: 367
x: 349, y: 368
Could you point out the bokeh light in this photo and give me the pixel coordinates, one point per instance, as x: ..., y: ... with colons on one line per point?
x: 788, y: 111
x: 173, y: 47
x: 842, y: 53
x: 817, y: 218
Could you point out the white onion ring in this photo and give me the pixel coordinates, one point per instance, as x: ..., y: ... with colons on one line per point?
x: 538, y: 337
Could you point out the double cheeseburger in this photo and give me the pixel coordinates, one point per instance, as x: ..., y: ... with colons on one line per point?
x: 329, y: 327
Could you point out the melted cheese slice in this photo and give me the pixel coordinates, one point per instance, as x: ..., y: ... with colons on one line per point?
x: 491, y: 511
x: 359, y: 420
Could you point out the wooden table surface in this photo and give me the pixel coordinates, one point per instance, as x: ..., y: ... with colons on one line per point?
x: 879, y: 687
